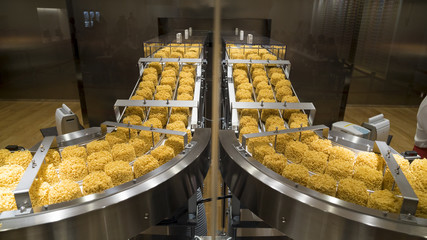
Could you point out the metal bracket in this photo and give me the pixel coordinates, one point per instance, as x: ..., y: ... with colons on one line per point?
x: 325, y: 132
x: 80, y: 136
x: 151, y: 103
x: 247, y: 61
x: 22, y: 191
x: 142, y: 128
x: 180, y: 60
x: 278, y: 105
x: 410, y: 199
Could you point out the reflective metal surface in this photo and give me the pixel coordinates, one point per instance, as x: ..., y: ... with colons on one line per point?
x: 302, y: 213
x: 383, y: 42
x: 410, y: 199
x: 120, y: 212
x: 142, y: 128
x: 79, y: 137
x: 36, y: 59
x: 351, y: 141
x: 22, y: 190
x: 110, y: 49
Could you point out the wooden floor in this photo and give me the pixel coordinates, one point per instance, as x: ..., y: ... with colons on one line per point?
x: 21, y: 121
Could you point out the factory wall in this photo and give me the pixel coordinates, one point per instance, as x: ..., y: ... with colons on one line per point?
x: 109, y: 51
x: 385, y: 44
x: 36, y: 60
x: 363, y: 51
x: 406, y: 77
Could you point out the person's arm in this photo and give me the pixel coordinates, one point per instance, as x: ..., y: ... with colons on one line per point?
x: 422, y: 116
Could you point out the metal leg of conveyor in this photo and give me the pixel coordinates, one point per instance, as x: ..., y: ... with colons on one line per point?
x: 243, y: 224
x: 234, y: 218
x: 192, y: 216
x: 197, y: 222
x: 188, y: 224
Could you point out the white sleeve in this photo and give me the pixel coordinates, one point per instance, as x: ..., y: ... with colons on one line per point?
x: 420, y: 139
x: 422, y: 115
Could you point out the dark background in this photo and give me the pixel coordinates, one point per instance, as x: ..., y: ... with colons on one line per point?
x: 342, y: 52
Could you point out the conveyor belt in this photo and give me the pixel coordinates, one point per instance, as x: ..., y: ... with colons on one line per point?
x: 302, y: 213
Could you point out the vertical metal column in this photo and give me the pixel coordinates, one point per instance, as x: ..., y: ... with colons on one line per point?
x: 216, y: 86
x: 72, y: 25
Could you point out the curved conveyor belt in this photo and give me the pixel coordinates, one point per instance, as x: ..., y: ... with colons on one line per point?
x: 123, y: 211
x: 302, y: 213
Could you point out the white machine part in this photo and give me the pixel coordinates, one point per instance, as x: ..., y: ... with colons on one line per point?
x: 66, y: 120
x: 179, y: 38
x: 250, y: 38
x: 379, y: 127
x: 351, y: 128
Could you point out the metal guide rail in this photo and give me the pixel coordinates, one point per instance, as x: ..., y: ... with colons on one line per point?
x: 286, y: 64
x: 260, y: 105
x: 142, y: 128
x: 250, y: 61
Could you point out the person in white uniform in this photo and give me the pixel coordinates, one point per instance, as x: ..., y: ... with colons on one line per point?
x: 420, y: 138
